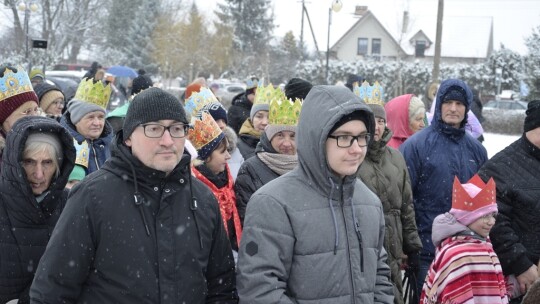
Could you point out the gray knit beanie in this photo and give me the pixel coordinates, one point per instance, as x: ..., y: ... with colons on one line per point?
x: 78, y: 108
x: 258, y: 107
x: 152, y: 104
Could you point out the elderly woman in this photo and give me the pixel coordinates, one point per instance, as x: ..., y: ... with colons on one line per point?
x: 85, y: 121
x: 406, y: 116
x: 38, y: 158
x: 51, y: 100
x: 275, y: 153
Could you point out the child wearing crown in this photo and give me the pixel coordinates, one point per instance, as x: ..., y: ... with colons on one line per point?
x: 466, y: 268
x: 212, y: 169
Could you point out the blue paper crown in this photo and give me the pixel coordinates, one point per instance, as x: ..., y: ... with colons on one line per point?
x: 253, y: 83
x: 370, y: 94
x: 14, y: 83
x: 198, y: 101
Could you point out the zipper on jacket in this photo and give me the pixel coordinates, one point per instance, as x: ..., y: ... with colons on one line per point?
x: 342, y: 203
x: 95, y: 154
x: 359, y: 235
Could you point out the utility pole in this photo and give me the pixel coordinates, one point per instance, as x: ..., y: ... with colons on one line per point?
x: 302, y: 32
x: 438, y: 38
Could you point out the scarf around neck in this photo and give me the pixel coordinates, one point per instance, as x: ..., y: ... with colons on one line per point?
x: 279, y: 163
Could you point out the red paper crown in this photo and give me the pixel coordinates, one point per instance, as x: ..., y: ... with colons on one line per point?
x: 463, y: 201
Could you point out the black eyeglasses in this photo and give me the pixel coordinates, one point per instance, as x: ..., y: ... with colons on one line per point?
x: 345, y: 141
x: 153, y: 130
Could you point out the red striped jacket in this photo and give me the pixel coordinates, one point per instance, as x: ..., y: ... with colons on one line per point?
x: 465, y: 270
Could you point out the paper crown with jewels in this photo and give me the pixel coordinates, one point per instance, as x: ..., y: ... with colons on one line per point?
x: 253, y: 82
x: 370, y: 94
x: 14, y: 83
x: 205, y: 135
x: 199, y: 102
x: 96, y: 93
x: 265, y: 95
x: 462, y: 200
x: 284, y: 112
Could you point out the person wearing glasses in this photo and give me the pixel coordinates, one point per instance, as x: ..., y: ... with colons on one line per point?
x: 434, y: 156
x: 466, y: 269
x: 51, y: 100
x: 38, y: 158
x: 316, y: 234
x: 142, y: 229
x: 17, y: 99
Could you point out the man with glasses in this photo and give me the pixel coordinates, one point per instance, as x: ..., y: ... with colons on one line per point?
x: 316, y: 233
x: 141, y: 229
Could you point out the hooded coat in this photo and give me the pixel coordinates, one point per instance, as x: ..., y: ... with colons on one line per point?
x: 397, y: 117
x: 385, y: 173
x: 515, y: 235
x: 434, y: 156
x: 310, y: 236
x: 26, y: 224
x: 132, y: 234
x: 238, y: 112
x: 99, y: 149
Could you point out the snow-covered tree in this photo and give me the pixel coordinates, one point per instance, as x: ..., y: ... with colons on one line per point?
x: 532, y: 64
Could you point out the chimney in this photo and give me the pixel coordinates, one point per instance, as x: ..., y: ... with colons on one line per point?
x: 360, y: 10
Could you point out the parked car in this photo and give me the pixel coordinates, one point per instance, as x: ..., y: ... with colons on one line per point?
x: 71, y: 77
x: 506, y: 104
x: 227, y: 91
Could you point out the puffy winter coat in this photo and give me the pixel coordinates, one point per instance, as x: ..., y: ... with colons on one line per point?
x: 385, y: 173
x: 238, y: 112
x: 434, y: 156
x: 515, y: 235
x: 248, y: 139
x: 310, y: 236
x: 132, y: 234
x: 99, y: 149
x: 26, y: 224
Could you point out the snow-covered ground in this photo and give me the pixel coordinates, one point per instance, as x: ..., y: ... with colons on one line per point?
x: 496, y: 142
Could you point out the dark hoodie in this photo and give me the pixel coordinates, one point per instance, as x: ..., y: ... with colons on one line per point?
x: 310, y: 236
x: 132, y: 234
x: 434, y: 156
x: 26, y: 224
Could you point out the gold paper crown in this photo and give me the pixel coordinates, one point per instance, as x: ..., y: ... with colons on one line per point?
x: 96, y: 93
x: 203, y: 131
x: 284, y: 112
x: 264, y: 95
x: 370, y: 94
x: 14, y: 83
x: 198, y: 100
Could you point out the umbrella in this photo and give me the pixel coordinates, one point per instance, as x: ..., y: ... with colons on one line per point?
x: 122, y: 71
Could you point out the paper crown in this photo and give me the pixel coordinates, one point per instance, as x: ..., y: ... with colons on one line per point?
x: 265, y: 95
x: 14, y: 83
x: 96, y: 93
x: 370, y: 94
x: 199, y: 101
x: 463, y: 201
x: 284, y: 112
x: 204, y: 132
x: 253, y: 83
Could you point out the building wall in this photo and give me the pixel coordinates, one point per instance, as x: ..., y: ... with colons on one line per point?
x: 348, y: 47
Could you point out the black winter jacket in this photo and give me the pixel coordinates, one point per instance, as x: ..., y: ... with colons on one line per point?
x: 238, y: 112
x: 131, y: 234
x: 515, y: 235
x: 25, y: 224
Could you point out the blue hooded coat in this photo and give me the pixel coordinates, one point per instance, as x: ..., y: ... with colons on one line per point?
x: 434, y: 156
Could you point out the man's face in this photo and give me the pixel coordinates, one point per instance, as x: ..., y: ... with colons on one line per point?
x: 453, y: 112
x: 345, y: 161
x: 91, y: 125
x: 162, y: 153
x: 380, y: 125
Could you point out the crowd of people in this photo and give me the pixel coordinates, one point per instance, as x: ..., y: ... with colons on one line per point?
x: 301, y: 194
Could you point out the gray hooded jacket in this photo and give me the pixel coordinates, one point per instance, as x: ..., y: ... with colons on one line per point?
x: 309, y: 236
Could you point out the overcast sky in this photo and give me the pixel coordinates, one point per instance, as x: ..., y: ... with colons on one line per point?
x: 513, y: 20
